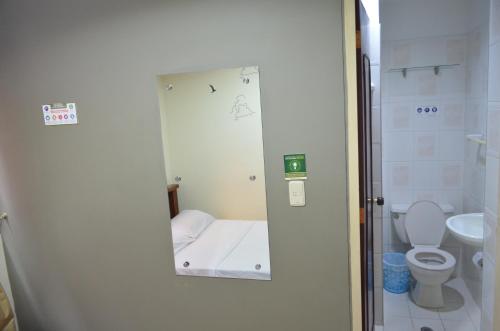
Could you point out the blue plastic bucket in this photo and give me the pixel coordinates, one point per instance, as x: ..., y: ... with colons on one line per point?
x: 396, y: 273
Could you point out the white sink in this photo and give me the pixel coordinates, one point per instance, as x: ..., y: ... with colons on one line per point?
x: 467, y: 228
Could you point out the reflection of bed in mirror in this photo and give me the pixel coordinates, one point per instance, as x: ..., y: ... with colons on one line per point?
x: 213, y: 152
x: 205, y: 246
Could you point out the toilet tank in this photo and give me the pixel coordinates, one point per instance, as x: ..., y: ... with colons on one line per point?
x: 398, y: 215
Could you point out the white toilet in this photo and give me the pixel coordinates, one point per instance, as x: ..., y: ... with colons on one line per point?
x: 425, y: 225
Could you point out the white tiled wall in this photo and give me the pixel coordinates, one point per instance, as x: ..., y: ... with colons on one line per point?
x: 427, y: 157
x: 475, y: 117
x: 423, y: 153
x: 475, y: 123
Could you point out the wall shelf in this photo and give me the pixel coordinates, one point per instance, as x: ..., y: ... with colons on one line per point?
x: 476, y: 138
x: 437, y: 68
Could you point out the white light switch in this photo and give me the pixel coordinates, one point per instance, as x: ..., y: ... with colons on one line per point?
x: 297, y: 193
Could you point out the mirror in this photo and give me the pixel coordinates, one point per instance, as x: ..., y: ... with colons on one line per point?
x: 213, y: 150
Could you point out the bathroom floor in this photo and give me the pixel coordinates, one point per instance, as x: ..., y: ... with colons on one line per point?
x: 459, y: 314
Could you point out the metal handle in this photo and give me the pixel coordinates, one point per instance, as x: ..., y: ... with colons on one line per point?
x: 3, y: 216
x: 378, y: 200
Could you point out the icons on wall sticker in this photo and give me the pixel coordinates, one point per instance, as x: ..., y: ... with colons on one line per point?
x: 60, y: 114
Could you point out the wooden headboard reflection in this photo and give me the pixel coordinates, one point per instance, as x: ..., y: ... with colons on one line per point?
x: 173, y: 202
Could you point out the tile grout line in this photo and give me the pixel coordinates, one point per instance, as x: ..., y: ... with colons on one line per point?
x: 442, y: 322
x: 471, y: 300
x: 470, y: 318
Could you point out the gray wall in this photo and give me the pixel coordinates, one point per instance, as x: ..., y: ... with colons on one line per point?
x: 89, y: 238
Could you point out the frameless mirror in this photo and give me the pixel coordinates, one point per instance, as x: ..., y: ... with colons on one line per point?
x: 212, y: 143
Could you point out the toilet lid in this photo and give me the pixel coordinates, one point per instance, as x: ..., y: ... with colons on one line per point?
x: 425, y: 224
x: 412, y: 257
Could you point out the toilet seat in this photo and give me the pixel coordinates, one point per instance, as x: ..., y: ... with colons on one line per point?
x: 438, y: 260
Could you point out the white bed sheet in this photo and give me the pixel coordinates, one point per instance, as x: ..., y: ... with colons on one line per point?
x: 250, y: 258
x: 211, y: 248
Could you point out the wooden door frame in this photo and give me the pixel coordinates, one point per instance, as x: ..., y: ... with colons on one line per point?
x: 351, y: 109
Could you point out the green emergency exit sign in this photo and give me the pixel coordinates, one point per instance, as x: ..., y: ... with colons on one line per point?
x: 295, y: 166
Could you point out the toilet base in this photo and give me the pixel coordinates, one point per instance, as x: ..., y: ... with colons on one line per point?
x: 429, y: 296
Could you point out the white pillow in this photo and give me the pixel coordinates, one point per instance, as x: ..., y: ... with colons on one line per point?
x: 187, y: 226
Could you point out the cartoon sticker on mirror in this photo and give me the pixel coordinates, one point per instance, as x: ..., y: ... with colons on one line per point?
x: 240, y: 108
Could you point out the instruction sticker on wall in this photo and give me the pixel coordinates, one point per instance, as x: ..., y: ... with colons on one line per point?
x: 295, y: 166
x: 60, y: 114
